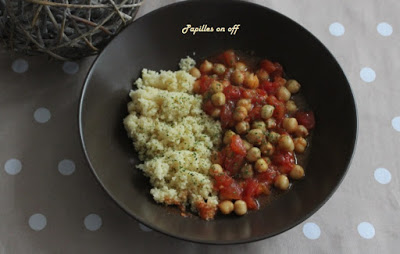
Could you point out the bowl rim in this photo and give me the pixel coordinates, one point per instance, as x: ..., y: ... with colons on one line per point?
x: 220, y: 242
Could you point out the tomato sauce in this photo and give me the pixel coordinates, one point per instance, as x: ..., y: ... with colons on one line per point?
x: 266, y: 127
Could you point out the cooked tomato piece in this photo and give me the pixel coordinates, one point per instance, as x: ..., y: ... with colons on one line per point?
x: 274, y: 69
x: 250, y: 191
x: 272, y: 100
x: 247, y: 93
x: 228, y: 187
x: 206, y: 211
x: 232, y: 93
x: 306, y: 118
x: 223, y: 180
x: 260, y: 97
x: 238, y: 146
x: 269, y: 175
x: 231, y: 192
x: 268, y: 66
x: 279, y: 112
x: 255, y: 113
x: 257, y: 96
x: 280, y: 81
x: 278, y: 72
x: 231, y: 161
x: 269, y: 87
x: 226, y: 114
x: 284, y: 159
x: 208, y: 107
x: 229, y: 58
x: 280, y: 109
x: 205, y: 83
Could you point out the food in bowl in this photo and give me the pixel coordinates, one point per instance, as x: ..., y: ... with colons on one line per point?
x: 219, y: 135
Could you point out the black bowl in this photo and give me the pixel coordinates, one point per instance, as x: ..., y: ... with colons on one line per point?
x: 156, y: 42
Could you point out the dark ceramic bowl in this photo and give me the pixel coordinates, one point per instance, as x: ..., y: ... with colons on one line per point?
x: 156, y: 42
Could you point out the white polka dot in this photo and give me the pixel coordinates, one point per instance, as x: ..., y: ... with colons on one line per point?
x: 396, y: 123
x: 367, y: 74
x: 20, y: 66
x: 42, y: 115
x: 71, y: 67
x: 366, y: 230
x: 336, y: 29
x: 144, y: 228
x: 13, y: 166
x: 311, y: 230
x: 384, y: 29
x: 37, y: 222
x: 66, y: 167
x: 382, y: 175
x: 93, y: 222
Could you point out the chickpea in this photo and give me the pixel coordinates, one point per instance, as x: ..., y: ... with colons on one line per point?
x: 259, y: 125
x: 285, y: 143
x: 251, y: 81
x: 240, y: 207
x: 297, y: 172
x: 237, y: 77
x: 218, y: 99
x: 216, y: 113
x: 273, y: 137
x: 301, y: 131
x: 267, y: 149
x: 228, y: 136
x: 216, y: 87
x: 226, y: 207
x: 283, y: 94
x: 240, y: 66
x: 216, y: 169
x: 262, y: 75
x: 247, y: 145
x: 195, y: 72
x: 291, y: 107
x: 290, y: 124
x: 196, y: 86
x: 281, y: 182
x: 246, y: 103
x: 247, y: 171
x: 261, y: 165
x: 253, y: 154
x: 240, y: 113
x: 206, y: 67
x: 219, y: 69
x: 300, y: 144
x: 271, y: 123
x: 255, y: 136
x: 293, y: 86
x: 267, y: 111
x: 242, y: 127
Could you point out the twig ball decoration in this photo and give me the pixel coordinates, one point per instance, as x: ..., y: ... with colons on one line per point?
x: 63, y: 29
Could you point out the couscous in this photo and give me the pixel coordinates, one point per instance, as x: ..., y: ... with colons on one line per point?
x: 174, y: 138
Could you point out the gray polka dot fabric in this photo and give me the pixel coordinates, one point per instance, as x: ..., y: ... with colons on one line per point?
x: 51, y: 203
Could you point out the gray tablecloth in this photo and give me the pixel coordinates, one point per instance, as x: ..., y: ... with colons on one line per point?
x: 51, y: 203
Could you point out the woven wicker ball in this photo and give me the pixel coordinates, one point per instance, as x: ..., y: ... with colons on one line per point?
x: 63, y: 29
